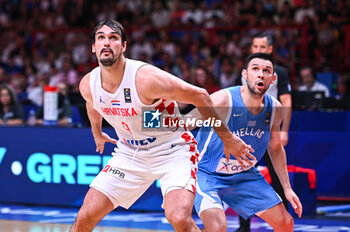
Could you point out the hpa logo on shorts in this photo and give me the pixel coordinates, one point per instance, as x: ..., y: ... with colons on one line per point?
x: 151, y: 119
x: 113, y: 171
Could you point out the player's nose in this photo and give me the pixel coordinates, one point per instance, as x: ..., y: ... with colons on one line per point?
x: 107, y: 43
x: 261, y: 74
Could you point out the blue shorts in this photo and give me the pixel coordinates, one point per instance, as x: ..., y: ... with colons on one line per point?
x: 247, y: 193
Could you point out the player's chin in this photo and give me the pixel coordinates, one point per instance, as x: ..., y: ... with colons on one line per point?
x: 261, y: 90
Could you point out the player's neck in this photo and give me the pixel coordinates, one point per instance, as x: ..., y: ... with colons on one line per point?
x: 254, y: 103
x: 111, y: 76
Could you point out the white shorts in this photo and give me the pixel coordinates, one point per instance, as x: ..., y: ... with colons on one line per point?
x: 130, y: 171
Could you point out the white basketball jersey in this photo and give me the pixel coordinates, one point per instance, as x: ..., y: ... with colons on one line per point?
x: 131, y: 119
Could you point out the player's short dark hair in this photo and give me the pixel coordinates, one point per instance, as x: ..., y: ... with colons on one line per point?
x: 260, y: 55
x: 114, y: 25
x: 263, y: 35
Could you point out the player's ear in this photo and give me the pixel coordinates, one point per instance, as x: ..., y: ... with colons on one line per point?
x: 93, y: 49
x: 269, y: 51
x: 244, y: 74
x: 274, y: 77
x: 124, y: 46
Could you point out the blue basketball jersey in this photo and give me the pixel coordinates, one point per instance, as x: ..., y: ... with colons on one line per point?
x: 254, y: 130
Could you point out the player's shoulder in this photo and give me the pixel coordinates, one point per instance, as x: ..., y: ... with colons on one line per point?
x: 85, y: 81
x: 146, y: 68
x: 84, y: 86
x: 274, y: 101
x: 232, y: 90
x: 221, y: 97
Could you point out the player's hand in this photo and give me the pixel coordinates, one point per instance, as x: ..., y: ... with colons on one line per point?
x: 294, y: 201
x: 100, y: 141
x: 284, y: 137
x: 240, y: 150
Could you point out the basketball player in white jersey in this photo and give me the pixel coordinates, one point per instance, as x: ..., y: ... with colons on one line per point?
x: 119, y: 90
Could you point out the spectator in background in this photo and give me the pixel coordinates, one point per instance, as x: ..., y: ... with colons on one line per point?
x: 233, y: 48
x: 177, y: 12
x: 11, y: 67
x: 306, y: 9
x: 11, y: 112
x: 343, y: 90
x: 160, y: 16
x: 4, y: 78
x: 310, y: 84
x: 36, y: 91
x: 65, y: 111
x: 168, y: 45
x: 286, y: 14
x: 141, y: 45
x: 70, y: 74
x: 227, y: 77
x: 194, y: 54
x: 204, y: 79
x: 194, y: 14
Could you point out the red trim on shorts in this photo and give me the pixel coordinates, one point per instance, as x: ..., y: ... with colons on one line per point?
x: 161, y: 106
x: 192, y: 148
x: 194, y: 173
x: 170, y: 108
x: 194, y: 141
x: 186, y: 137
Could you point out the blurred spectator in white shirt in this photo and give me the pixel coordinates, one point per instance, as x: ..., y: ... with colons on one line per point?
x: 309, y: 82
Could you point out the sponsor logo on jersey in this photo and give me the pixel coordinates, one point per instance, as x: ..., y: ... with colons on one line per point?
x: 115, y: 103
x: 101, y: 101
x: 120, y: 111
x: 225, y: 166
x: 268, y: 118
x: 113, y: 171
x: 232, y: 167
x: 127, y: 95
x: 151, y: 119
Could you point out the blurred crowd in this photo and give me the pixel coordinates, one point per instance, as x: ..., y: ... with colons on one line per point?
x: 48, y: 42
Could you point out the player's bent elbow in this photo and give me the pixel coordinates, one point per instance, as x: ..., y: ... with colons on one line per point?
x: 200, y: 97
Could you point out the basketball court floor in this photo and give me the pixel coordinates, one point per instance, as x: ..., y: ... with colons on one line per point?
x: 20, y: 218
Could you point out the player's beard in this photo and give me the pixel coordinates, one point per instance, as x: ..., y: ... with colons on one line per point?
x: 110, y: 60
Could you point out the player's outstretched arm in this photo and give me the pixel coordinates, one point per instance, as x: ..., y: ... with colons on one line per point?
x: 279, y: 161
x: 94, y: 117
x: 220, y: 100
x: 153, y: 83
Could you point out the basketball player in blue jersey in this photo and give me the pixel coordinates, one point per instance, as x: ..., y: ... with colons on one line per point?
x: 281, y: 90
x: 255, y: 117
x: 118, y: 91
